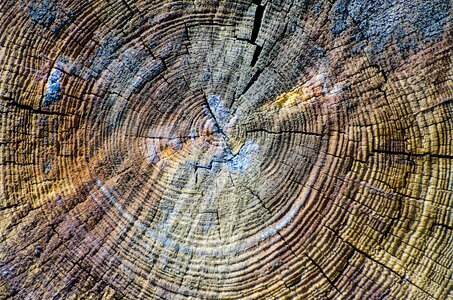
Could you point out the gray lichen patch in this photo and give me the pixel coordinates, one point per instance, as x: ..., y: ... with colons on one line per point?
x: 408, y: 23
x: 43, y: 12
x: 53, y: 86
x: 425, y: 19
x: 49, y: 14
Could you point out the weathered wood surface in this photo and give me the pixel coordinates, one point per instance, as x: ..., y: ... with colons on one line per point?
x: 226, y: 150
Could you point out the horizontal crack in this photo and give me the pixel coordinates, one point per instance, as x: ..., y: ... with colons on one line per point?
x: 29, y: 108
x: 389, y: 152
x: 284, y: 132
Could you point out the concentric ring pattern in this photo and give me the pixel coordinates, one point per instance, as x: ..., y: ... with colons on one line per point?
x: 226, y: 150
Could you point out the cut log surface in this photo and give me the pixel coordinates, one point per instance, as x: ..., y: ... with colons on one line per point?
x: 265, y: 149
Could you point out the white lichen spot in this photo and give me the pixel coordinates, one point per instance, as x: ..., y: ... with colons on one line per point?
x: 153, y: 157
x: 53, y: 86
x: 175, y: 143
x: 220, y: 111
x: 242, y: 160
x: 234, y: 119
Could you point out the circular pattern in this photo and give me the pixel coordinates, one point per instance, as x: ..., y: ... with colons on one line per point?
x: 226, y: 150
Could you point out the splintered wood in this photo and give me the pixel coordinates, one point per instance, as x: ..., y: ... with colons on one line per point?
x: 226, y: 150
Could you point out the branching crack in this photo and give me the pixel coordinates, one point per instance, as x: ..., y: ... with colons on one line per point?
x: 366, y: 255
x: 225, y: 157
x: 331, y: 282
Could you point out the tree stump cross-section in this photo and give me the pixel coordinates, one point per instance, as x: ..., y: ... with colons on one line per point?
x: 260, y: 149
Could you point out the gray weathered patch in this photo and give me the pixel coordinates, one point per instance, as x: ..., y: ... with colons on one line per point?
x: 147, y: 73
x: 104, y: 54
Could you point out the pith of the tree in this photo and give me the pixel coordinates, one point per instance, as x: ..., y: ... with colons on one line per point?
x: 226, y: 150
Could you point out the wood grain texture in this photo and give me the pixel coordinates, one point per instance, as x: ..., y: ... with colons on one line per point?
x: 264, y: 149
